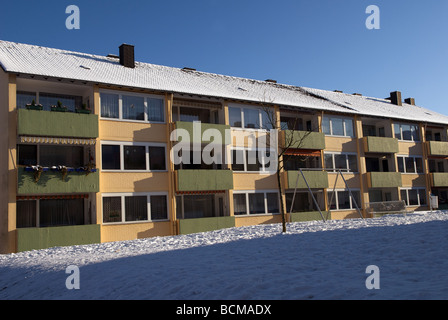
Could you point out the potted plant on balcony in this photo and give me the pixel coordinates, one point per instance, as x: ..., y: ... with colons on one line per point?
x: 59, y: 107
x: 84, y: 109
x: 33, y: 106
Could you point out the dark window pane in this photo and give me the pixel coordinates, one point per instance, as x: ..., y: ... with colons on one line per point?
x: 156, y: 110
x: 136, y: 208
x: 157, y: 158
x: 112, y: 209
x: 239, y: 204
x: 251, y: 118
x: 343, y: 200
x: 61, y: 212
x: 110, y: 155
x: 26, y: 214
x: 68, y: 101
x: 272, y: 199
x: 24, y: 98
x: 235, y: 117
x: 134, y: 158
x: 159, y: 210
x: 69, y: 156
x: 237, y: 160
x: 256, y: 203
x: 27, y: 155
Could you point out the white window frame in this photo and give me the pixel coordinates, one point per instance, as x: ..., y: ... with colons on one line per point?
x: 336, y: 199
x: 331, y: 117
x: 121, y: 144
x: 403, y: 159
x: 263, y: 163
x: 123, y: 206
x: 418, y: 196
x: 242, y: 107
x: 401, y: 132
x: 264, y: 192
x: 347, y: 162
x: 132, y: 94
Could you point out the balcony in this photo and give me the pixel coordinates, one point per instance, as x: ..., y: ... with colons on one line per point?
x: 42, y: 238
x: 384, y: 179
x: 196, y: 128
x: 305, y: 139
x: 204, y: 180
x: 52, y: 181
x: 188, y: 226
x: 380, y: 145
x: 56, y: 124
x: 315, y: 179
x: 439, y: 179
x: 437, y: 148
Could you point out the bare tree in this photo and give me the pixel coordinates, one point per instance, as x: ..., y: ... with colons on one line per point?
x: 287, y: 140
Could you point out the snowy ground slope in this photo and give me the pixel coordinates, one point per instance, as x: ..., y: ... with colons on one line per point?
x: 314, y: 260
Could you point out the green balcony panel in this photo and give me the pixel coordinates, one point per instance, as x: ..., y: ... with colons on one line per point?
x: 384, y: 179
x: 57, y: 124
x: 438, y: 148
x: 188, y: 226
x: 204, y: 180
x: 307, y: 216
x: 51, y: 182
x: 380, y: 145
x: 305, y: 139
x: 196, y: 132
x: 439, y: 179
x: 315, y: 179
x: 42, y: 238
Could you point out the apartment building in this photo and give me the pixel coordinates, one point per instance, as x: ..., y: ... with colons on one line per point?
x: 88, y: 146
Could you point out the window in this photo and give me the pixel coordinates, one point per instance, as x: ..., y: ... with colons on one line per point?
x: 341, y: 161
x: 251, y: 160
x: 133, y: 156
x: 410, y: 164
x: 198, y: 206
x: 406, y: 132
x: 132, y: 107
x: 248, y: 203
x: 61, y: 212
x: 414, y: 196
x: 251, y: 118
x: 337, y: 126
x: 24, y: 98
x: 50, y: 99
x: 110, y: 155
x: 26, y: 214
x: 341, y: 200
x: 303, y: 201
x: 50, y: 155
x: 138, y: 207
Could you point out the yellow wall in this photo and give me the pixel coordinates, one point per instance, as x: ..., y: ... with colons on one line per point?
x: 254, y: 181
x: 132, y: 231
x: 241, y: 221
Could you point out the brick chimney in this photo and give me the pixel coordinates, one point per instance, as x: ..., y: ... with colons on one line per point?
x: 127, y: 55
x: 395, y: 98
x: 410, y: 101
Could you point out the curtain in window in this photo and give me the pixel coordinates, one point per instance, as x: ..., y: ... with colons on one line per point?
x: 199, y: 206
x: 256, y: 203
x: 155, y: 110
x: 136, y: 208
x: 235, y: 117
x: 159, y: 210
x: 272, y: 199
x: 133, y: 108
x: 109, y: 105
x: 112, y: 209
x: 26, y: 214
x: 61, y: 212
x: 239, y: 204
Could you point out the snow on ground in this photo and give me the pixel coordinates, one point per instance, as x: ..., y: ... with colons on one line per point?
x: 313, y: 260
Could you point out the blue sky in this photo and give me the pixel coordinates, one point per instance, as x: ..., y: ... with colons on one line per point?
x: 320, y: 44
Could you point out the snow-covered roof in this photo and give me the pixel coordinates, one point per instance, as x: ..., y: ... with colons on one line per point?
x: 47, y: 62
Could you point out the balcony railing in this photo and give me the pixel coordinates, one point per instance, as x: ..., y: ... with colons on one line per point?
x: 56, y: 124
x: 304, y: 139
x: 439, y: 179
x: 42, y: 238
x: 437, y: 148
x: 380, y: 145
x: 315, y: 179
x: 188, y: 226
x: 31, y: 181
x: 204, y: 180
x: 384, y: 179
